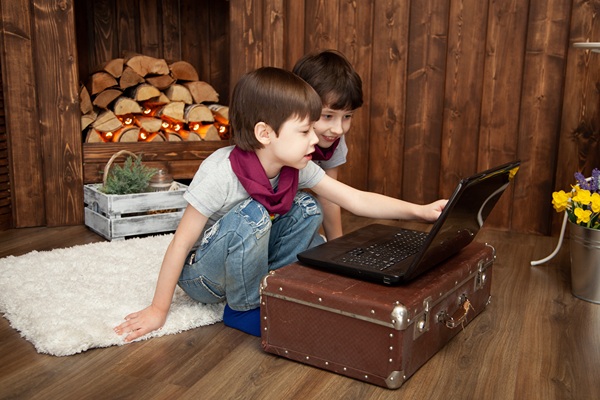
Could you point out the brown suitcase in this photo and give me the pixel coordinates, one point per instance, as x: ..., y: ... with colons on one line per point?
x: 375, y: 333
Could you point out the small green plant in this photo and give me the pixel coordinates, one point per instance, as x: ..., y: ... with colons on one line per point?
x: 132, y: 177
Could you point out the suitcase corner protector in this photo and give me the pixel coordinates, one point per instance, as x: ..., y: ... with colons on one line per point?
x: 263, y: 283
x: 400, y: 317
x: 395, y: 379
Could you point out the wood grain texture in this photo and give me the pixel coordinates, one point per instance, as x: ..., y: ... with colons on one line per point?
x: 127, y: 14
x: 545, y: 59
x: 5, y: 192
x: 463, y: 92
x: 322, y: 24
x: 424, y: 106
x: 294, y: 34
x: 22, y: 113
x: 246, y: 30
x: 535, y: 340
x: 58, y: 111
x: 220, y: 57
x: 104, y: 42
x: 502, y: 80
x: 386, y: 143
x: 170, y: 24
x: 274, y: 24
x: 356, y: 43
x: 195, y: 33
x: 150, y: 29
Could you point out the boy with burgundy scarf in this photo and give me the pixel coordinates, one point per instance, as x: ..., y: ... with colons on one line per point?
x: 337, y: 83
x: 246, y: 215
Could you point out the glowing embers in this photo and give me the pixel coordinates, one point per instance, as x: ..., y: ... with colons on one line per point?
x: 141, y: 98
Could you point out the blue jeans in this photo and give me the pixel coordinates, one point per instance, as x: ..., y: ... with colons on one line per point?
x: 243, y: 246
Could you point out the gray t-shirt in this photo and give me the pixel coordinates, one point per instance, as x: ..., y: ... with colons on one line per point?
x: 338, y: 158
x: 216, y: 189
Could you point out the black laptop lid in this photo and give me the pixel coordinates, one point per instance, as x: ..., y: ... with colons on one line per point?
x: 469, y: 206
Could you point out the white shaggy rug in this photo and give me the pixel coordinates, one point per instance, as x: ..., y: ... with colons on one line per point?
x: 67, y: 301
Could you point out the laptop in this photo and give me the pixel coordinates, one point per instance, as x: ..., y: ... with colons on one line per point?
x: 392, y: 255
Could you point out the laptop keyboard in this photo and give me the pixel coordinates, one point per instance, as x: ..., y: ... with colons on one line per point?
x: 381, y: 256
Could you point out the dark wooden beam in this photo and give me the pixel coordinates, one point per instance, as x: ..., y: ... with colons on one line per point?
x: 22, y: 114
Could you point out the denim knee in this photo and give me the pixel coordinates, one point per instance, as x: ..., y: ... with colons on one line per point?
x: 201, y: 288
x: 308, y: 204
x: 232, y: 251
x: 254, y: 216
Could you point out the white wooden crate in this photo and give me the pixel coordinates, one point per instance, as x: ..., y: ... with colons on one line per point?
x: 118, y: 216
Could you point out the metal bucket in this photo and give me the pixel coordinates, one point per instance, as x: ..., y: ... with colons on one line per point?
x: 585, y: 263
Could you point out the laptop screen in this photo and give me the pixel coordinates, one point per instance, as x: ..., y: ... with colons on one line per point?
x: 471, y: 203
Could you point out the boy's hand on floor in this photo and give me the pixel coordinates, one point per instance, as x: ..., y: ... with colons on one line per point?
x: 139, y: 323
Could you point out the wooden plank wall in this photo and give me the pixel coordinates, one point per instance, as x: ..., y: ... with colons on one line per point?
x: 451, y: 87
x: 5, y: 192
x: 42, y: 116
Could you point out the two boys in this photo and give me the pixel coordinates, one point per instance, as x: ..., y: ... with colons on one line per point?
x: 247, y: 214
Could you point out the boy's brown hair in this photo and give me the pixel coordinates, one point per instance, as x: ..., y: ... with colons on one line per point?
x: 273, y: 96
x: 332, y: 76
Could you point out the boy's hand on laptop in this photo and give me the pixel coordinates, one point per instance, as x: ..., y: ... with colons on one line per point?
x: 139, y: 323
x: 431, y: 212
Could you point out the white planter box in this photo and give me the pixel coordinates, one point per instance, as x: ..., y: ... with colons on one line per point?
x: 117, y: 216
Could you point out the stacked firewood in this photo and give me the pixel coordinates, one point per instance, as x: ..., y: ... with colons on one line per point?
x: 142, y: 98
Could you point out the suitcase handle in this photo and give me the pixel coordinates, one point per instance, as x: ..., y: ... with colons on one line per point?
x: 452, y: 322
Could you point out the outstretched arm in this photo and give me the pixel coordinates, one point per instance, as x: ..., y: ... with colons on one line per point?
x: 332, y: 216
x: 154, y: 316
x: 373, y: 205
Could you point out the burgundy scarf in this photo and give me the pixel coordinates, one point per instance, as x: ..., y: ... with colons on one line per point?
x: 252, y: 176
x: 325, y: 154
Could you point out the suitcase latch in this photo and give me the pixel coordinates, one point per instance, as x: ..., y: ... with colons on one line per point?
x: 422, y: 322
x: 481, y: 277
x: 482, y: 266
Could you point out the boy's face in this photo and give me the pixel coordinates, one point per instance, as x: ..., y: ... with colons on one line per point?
x: 295, y: 143
x: 332, y: 125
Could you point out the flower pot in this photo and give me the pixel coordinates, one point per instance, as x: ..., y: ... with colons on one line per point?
x: 585, y: 263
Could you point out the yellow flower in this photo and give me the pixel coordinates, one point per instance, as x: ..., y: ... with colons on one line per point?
x: 582, y: 196
x: 582, y: 215
x: 596, y: 202
x: 560, y: 200
x: 582, y: 203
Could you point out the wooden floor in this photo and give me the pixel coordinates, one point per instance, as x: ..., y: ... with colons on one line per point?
x: 534, y: 341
